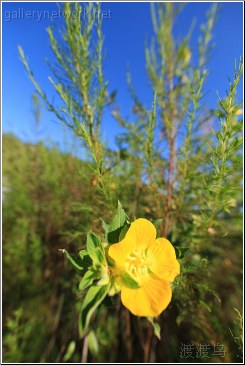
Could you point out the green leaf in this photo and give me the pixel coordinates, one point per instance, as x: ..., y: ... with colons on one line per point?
x: 84, y: 255
x: 95, y: 249
x: 113, y: 230
x: 123, y: 232
x: 94, y: 297
x: 114, y: 287
x: 21, y: 52
x: 156, y: 327
x: 205, y: 305
x: 181, y: 251
x: 93, y: 344
x: 128, y: 281
x: 79, y: 262
x: 88, y: 279
x: 104, y: 277
x: 69, y: 351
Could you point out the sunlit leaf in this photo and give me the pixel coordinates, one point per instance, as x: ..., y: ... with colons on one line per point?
x: 69, y: 351
x: 93, y: 343
x: 113, y: 230
x: 95, y: 249
x: 94, y: 297
x: 88, y: 279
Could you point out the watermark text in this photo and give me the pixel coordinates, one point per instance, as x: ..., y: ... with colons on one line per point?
x: 38, y: 15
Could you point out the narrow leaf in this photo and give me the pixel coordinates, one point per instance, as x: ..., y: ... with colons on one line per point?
x: 69, y: 351
x: 93, y: 344
x: 81, y: 264
x: 94, y: 297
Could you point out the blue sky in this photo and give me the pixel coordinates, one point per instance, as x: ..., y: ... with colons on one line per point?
x: 126, y: 31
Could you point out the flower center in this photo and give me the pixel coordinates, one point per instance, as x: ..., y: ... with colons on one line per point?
x: 136, y: 264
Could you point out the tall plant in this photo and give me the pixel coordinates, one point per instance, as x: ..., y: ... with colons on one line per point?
x: 185, y: 180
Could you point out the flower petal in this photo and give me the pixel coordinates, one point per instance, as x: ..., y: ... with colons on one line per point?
x: 142, y: 232
x: 162, y: 260
x: 149, y: 300
x: 120, y: 251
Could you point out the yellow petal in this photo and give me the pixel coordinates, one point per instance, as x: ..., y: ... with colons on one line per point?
x: 120, y: 251
x: 149, y: 300
x: 142, y: 232
x: 162, y: 260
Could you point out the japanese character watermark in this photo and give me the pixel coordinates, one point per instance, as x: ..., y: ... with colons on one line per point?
x: 219, y: 350
x: 187, y: 350
x: 201, y: 351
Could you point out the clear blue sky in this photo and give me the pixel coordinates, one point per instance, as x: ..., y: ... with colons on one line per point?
x: 125, y: 34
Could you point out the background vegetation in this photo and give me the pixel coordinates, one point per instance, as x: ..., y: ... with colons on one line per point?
x: 169, y: 165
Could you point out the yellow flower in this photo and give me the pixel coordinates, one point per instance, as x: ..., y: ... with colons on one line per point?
x: 151, y: 263
x: 187, y: 55
x: 239, y: 112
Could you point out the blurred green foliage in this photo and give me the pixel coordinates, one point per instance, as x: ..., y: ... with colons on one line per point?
x: 51, y: 200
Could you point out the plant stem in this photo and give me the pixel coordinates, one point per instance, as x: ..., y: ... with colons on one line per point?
x: 147, y: 348
x: 172, y: 154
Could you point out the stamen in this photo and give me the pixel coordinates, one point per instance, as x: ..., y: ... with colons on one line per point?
x: 136, y: 264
